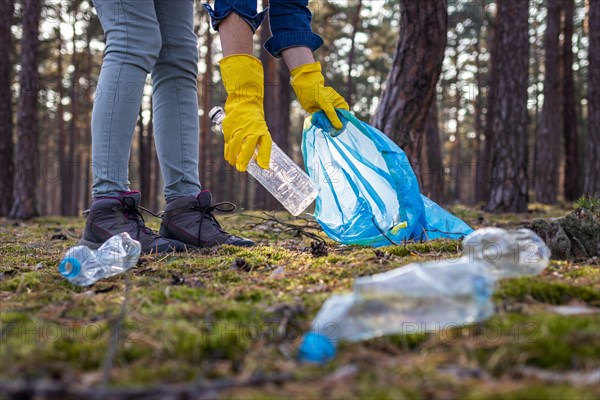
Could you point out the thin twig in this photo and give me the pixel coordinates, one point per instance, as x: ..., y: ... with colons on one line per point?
x: 290, y: 228
x: 53, y: 389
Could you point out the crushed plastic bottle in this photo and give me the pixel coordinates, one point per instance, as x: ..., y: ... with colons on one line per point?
x: 285, y: 180
x: 508, y: 253
x: 426, y: 297
x: 83, y: 266
x: 412, y: 299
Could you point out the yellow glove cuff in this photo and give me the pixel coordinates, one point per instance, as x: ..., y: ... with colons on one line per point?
x: 306, y: 68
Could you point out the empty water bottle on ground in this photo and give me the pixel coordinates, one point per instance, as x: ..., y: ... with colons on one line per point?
x: 508, y: 253
x: 426, y: 297
x: 83, y: 266
x: 285, y: 180
x: 416, y: 298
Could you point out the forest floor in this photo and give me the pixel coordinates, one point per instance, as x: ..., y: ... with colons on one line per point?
x: 226, y: 323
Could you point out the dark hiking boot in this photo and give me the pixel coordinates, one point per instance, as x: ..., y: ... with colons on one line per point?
x: 190, y: 220
x: 109, y: 216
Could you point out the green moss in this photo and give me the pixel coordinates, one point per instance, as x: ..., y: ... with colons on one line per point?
x: 22, y: 281
x: 520, y: 289
x: 584, y: 271
x: 220, y: 322
x: 545, y: 341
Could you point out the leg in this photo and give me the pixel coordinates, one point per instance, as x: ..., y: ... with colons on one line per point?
x: 132, y: 46
x: 175, y: 98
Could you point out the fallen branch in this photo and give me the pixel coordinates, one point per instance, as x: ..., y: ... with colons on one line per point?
x: 290, y: 228
x: 52, y: 389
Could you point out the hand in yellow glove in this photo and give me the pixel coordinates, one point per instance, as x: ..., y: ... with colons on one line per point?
x: 244, y: 126
x: 309, y: 84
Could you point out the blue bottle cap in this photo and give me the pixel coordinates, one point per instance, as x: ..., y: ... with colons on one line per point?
x: 69, y: 267
x: 316, y: 348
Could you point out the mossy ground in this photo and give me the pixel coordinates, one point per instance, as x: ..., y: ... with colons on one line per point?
x: 193, y: 318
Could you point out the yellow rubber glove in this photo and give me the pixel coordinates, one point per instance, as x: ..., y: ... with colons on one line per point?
x: 244, y: 126
x: 309, y: 84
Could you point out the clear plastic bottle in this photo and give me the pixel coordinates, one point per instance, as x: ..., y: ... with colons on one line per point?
x: 508, y: 253
x: 416, y: 298
x: 83, y: 266
x: 285, y: 180
x: 429, y: 296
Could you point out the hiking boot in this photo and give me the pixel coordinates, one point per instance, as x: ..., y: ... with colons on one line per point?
x: 109, y: 216
x: 190, y: 220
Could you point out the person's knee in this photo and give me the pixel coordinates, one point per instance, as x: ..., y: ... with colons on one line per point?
x: 145, y: 49
x: 181, y: 59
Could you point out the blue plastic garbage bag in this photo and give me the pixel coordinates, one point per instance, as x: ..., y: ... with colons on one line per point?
x: 369, y: 194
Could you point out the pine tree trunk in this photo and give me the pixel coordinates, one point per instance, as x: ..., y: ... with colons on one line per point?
x: 352, y: 52
x: 262, y: 197
x: 24, y: 191
x: 73, y: 169
x: 592, y: 160
x: 484, y: 173
x: 410, y: 85
x: 432, y: 174
x: 206, y: 167
x: 60, y: 111
x: 571, y: 182
x: 547, y: 150
x: 283, y: 113
x: 478, y: 115
x: 86, y: 136
x: 509, y: 146
x: 156, y: 181
x: 6, y: 112
x: 142, y: 157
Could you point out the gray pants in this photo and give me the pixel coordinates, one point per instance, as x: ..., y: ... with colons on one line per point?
x: 142, y: 37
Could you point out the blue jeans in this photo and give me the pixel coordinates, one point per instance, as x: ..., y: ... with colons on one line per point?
x: 147, y: 37
x: 289, y: 21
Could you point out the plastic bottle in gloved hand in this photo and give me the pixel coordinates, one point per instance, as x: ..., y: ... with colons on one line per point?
x: 284, y: 179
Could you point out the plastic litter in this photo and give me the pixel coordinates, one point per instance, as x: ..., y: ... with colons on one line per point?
x: 83, y: 266
x: 285, y: 180
x: 369, y: 194
x: 426, y: 297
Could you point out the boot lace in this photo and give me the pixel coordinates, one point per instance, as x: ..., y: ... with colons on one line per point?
x: 132, y: 213
x: 207, y: 213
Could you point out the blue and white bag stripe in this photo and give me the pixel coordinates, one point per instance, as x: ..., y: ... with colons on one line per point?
x: 369, y: 194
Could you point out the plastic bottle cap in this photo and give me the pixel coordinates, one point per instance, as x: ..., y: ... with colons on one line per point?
x: 316, y: 348
x: 69, y: 267
x: 214, y: 111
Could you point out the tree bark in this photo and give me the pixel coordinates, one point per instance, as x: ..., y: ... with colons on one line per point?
x: 547, y: 150
x: 262, y: 198
x: 6, y: 112
x: 352, y: 52
x: 432, y: 174
x: 73, y: 169
x: 206, y: 167
x: 60, y: 115
x: 483, y: 175
x: 509, y: 148
x: 572, y: 176
x: 478, y: 113
x: 592, y: 160
x: 24, y: 190
x: 142, y: 156
x: 411, y: 82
